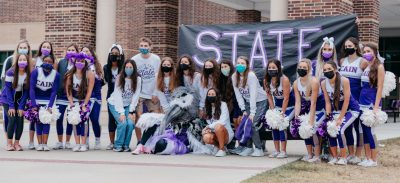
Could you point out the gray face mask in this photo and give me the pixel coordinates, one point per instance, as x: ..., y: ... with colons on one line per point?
x: 23, y: 51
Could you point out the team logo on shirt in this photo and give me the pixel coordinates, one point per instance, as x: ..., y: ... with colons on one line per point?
x: 245, y: 92
x: 146, y: 72
x: 349, y: 69
x: 44, y: 85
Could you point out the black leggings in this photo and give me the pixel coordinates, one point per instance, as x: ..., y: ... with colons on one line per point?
x: 147, y: 134
x: 14, y: 123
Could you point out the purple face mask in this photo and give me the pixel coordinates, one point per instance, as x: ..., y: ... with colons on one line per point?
x: 45, y: 51
x: 79, y: 65
x: 327, y: 55
x: 22, y: 64
x: 368, y: 56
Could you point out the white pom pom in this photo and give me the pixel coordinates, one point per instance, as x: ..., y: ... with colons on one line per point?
x: 148, y: 120
x: 55, y: 113
x: 368, y: 118
x: 45, y: 116
x: 274, y: 118
x: 73, y: 115
x: 284, y: 124
x: 332, y: 128
x: 389, y: 84
x: 305, y: 129
x: 381, y: 117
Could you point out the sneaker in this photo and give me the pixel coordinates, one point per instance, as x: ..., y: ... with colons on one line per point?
x: 363, y: 162
x: 110, y: 146
x: 342, y: 161
x: 83, y: 148
x: 127, y: 149
x: 333, y: 161
x: 39, y: 147
x: 10, y: 148
x: 274, y: 154
x: 45, y: 147
x: 282, y: 155
x: 257, y: 152
x: 97, y: 144
x: 76, y: 148
x: 118, y: 149
x: 139, y: 150
x: 330, y: 157
x: 31, y: 146
x: 68, y: 145
x: 355, y: 160
x: 237, y: 150
x: 59, y: 145
x: 306, y: 158
x: 246, y: 152
x: 315, y: 159
x: 220, y: 153
x: 349, y: 158
x: 370, y: 163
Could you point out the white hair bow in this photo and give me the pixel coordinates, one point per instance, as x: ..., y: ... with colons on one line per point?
x: 329, y: 41
x: 119, y: 48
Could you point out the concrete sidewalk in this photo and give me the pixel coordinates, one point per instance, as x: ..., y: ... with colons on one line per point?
x: 106, y: 166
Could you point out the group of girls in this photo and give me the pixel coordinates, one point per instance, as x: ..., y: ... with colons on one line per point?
x: 232, y: 99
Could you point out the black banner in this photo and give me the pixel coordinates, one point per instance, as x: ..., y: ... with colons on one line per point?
x: 288, y: 40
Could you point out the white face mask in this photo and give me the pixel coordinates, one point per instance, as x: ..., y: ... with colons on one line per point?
x: 23, y: 51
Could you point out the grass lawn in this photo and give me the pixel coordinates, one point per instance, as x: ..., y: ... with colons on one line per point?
x: 388, y: 170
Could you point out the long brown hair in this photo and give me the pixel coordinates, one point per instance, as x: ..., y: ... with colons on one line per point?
x: 27, y: 71
x: 245, y: 73
x: 161, y: 75
x: 16, y: 53
x: 217, y: 105
x: 133, y: 77
x: 309, y: 74
x: 84, y: 81
x: 225, y: 85
x: 338, y: 82
x: 179, y: 71
x: 356, y: 46
x: 72, y: 45
x: 97, y: 65
x: 373, y: 73
x: 39, y: 54
x: 215, y: 74
x: 267, y: 77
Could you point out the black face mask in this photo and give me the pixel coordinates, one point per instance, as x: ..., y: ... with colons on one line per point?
x: 208, y: 71
x: 273, y: 73
x: 115, y: 58
x: 349, y: 51
x: 211, y: 99
x: 184, y: 66
x: 302, y: 72
x: 329, y: 74
x: 166, y: 69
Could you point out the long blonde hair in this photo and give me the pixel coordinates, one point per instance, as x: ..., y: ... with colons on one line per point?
x: 309, y: 74
x: 16, y: 53
x: 319, y: 67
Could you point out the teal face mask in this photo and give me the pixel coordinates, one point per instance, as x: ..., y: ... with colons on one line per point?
x: 240, y: 68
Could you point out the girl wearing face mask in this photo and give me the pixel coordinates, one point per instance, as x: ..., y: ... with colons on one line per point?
x: 352, y: 67
x: 218, y: 132
x: 327, y: 53
x: 64, y: 65
x: 187, y: 76
x: 371, y: 98
x: 23, y: 48
x: 96, y: 68
x: 43, y: 88
x: 252, y: 101
x: 336, y: 89
x: 209, y: 79
x: 79, y: 82
x: 308, y: 99
x: 281, y: 97
x: 14, y: 98
x: 165, y: 83
x: 123, y: 102
x: 114, y: 64
x: 45, y: 49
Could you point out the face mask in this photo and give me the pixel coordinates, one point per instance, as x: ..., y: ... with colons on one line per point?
x: 128, y: 71
x: 184, y: 66
x: 302, y: 72
x: 45, y: 51
x: 329, y: 74
x: 226, y: 71
x: 368, y: 56
x: 47, y: 67
x: 349, y: 51
x: 79, y: 65
x: 115, y: 58
x: 22, y: 64
x: 144, y: 51
x: 273, y: 73
x: 166, y: 69
x: 240, y: 68
x: 208, y: 71
x: 211, y: 99
x: 327, y: 55
x: 23, y: 51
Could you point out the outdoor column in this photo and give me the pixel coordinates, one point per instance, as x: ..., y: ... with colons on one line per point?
x: 279, y: 10
x: 105, y: 28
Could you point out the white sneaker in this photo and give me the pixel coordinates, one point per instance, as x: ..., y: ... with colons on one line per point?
x: 257, y: 152
x: 110, y: 146
x: 220, y: 153
x: 68, y: 145
x: 282, y: 155
x: 342, y: 161
x: 138, y: 150
x: 97, y: 144
x: 363, y: 162
x: 333, y: 161
x: 306, y: 158
x: 237, y: 150
x: 274, y: 154
x: 355, y: 160
x: 59, y: 145
x: 76, y: 148
x: 349, y: 158
x: 39, y: 147
x: 83, y: 148
x: 31, y: 146
x: 370, y: 163
x: 45, y: 147
x: 246, y: 152
x: 315, y: 159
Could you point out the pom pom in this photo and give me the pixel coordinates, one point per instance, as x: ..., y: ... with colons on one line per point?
x: 371, y: 119
x: 332, y: 128
x: 381, y: 117
x: 389, y: 84
x: 305, y: 129
x: 45, y: 115
x: 30, y: 114
x: 148, y: 120
x: 55, y: 113
x: 284, y: 124
x: 294, y: 127
x: 73, y: 115
x: 322, y: 128
x: 274, y: 118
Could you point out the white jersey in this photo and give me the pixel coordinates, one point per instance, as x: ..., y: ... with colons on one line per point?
x: 44, y: 82
x: 331, y: 90
x: 351, y: 70
x: 76, y: 82
x: 303, y: 91
x: 39, y: 62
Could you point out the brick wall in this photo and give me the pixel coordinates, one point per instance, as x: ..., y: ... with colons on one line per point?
x: 70, y: 21
x: 22, y: 11
x: 300, y: 9
x: 368, y: 14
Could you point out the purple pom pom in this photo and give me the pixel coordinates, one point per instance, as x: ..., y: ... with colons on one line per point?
x: 294, y: 127
x: 322, y: 128
x: 30, y: 114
